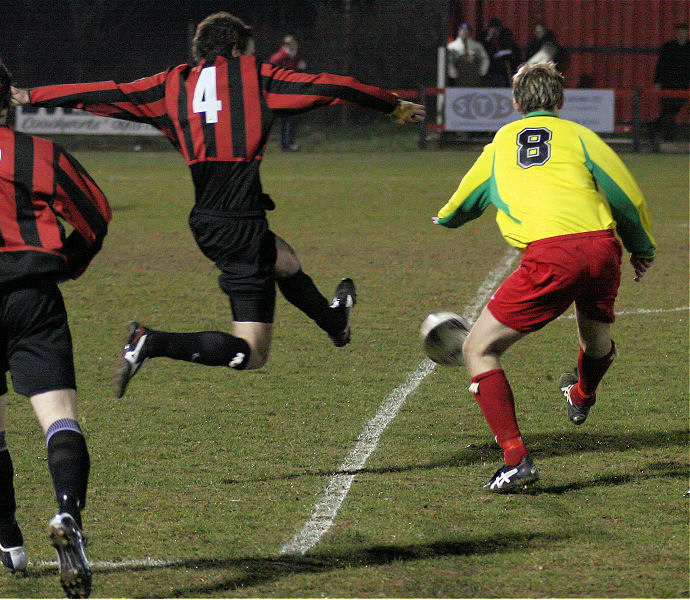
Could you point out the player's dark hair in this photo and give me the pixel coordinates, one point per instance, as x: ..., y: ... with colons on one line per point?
x: 218, y: 34
x: 538, y: 87
x: 5, y: 87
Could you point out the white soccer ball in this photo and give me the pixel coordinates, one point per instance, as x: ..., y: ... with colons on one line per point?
x: 443, y: 334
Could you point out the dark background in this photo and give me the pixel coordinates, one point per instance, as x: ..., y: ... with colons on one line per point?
x: 391, y: 43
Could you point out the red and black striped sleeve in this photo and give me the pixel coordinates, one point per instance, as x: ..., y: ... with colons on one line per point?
x: 288, y: 91
x: 141, y: 101
x: 79, y: 201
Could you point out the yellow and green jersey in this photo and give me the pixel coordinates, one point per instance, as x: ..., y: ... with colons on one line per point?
x: 548, y: 177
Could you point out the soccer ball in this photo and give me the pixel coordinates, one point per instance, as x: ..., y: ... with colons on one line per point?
x: 443, y: 334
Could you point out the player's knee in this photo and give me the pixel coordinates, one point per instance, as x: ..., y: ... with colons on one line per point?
x: 598, y: 347
x: 471, y: 350
x: 475, y: 351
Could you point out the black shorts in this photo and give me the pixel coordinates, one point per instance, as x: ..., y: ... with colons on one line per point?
x: 244, y: 249
x: 35, y: 341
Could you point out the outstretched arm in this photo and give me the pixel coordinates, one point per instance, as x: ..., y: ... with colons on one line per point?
x: 139, y: 101
x: 290, y: 92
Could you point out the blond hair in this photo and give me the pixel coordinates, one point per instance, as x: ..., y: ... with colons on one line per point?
x: 538, y: 87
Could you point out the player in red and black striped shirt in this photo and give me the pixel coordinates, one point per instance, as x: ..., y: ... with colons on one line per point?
x: 218, y: 114
x: 40, y: 185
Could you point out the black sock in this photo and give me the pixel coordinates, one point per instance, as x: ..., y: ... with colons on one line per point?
x: 299, y: 290
x: 213, y: 348
x: 8, y: 505
x: 10, y: 534
x: 69, y: 464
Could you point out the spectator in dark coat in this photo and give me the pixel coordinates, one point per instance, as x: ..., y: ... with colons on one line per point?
x: 672, y: 73
x: 503, y: 52
x: 544, y: 46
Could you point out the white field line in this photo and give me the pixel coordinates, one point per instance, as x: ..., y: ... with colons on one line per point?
x: 107, y: 565
x: 333, y: 496
x: 641, y: 311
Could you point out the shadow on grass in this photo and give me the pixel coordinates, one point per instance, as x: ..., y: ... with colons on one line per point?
x: 257, y: 571
x: 251, y: 571
x: 540, y: 445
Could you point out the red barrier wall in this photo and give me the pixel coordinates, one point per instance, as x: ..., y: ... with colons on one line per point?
x: 613, y: 41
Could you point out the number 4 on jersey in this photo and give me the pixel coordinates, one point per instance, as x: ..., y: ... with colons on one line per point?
x: 205, y: 97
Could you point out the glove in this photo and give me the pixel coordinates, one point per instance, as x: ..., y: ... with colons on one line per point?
x: 405, y: 112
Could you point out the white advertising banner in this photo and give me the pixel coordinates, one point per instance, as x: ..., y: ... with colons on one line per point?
x: 68, y: 120
x: 488, y: 109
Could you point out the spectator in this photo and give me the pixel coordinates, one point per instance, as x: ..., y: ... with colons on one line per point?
x: 467, y: 61
x: 541, y: 36
x: 289, y: 57
x: 41, y: 185
x: 544, y: 46
x: 547, y: 52
x: 504, y: 54
x: 672, y: 73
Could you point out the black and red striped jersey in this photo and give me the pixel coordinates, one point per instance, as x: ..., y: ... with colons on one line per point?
x: 40, y: 184
x: 218, y: 115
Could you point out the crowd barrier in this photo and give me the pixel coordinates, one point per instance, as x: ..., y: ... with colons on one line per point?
x: 621, y: 111
x: 634, y: 109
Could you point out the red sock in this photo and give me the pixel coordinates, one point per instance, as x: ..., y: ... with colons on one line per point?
x: 590, y: 372
x: 495, y: 398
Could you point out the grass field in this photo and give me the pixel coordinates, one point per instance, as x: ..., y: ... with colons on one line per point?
x: 200, y: 475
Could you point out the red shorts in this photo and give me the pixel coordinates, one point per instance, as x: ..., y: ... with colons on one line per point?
x: 584, y: 268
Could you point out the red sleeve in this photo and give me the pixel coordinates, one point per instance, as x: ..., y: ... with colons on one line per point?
x: 142, y: 100
x: 292, y: 91
x: 79, y: 201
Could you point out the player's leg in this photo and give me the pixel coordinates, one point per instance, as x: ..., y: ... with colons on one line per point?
x: 12, y: 552
x: 299, y: 289
x: 594, y: 310
x: 285, y: 133
x: 485, y: 344
x: 211, y: 348
x: 525, y: 302
x: 68, y: 456
x: 597, y: 353
x: 487, y: 341
x: 69, y: 465
x: 670, y: 109
x: 244, y: 251
x: 42, y: 368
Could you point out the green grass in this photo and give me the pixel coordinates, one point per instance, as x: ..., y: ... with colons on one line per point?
x: 212, y: 471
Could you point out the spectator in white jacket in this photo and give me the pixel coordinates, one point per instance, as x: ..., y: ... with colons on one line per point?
x: 467, y: 61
